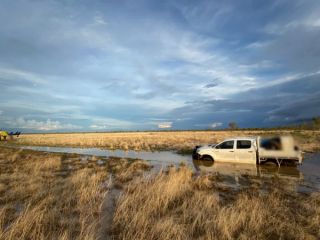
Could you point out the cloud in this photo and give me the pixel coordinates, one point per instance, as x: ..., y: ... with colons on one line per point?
x: 14, y: 74
x: 111, y: 124
x: 94, y: 126
x: 48, y: 125
x: 216, y: 124
x: 211, y: 85
x: 165, y: 125
x: 116, y: 66
x: 278, y: 104
x: 145, y: 95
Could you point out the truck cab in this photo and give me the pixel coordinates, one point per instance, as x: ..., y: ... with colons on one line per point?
x: 255, y: 150
x: 235, y: 150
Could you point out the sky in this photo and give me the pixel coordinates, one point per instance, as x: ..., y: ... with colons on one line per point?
x: 104, y: 65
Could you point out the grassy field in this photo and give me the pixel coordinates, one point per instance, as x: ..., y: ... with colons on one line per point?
x: 68, y: 196
x: 57, y: 196
x: 177, y: 205
x: 183, y: 141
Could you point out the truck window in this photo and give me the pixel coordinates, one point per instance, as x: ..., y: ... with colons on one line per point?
x: 225, y: 145
x: 243, y: 144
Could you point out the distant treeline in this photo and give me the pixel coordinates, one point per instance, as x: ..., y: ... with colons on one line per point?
x: 310, y: 124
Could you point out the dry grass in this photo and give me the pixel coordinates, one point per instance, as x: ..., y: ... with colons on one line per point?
x: 174, y: 205
x: 67, y: 196
x: 54, y: 196
x: 182, y: 141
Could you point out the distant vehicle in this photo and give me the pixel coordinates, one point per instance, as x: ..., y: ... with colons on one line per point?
x: 255, y: 150
x: 4, y: 135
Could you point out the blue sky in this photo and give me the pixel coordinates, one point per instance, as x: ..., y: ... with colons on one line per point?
x: 137, y: 65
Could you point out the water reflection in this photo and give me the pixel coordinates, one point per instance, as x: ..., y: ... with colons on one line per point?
x: 247, y: 169
x: 158, y: 157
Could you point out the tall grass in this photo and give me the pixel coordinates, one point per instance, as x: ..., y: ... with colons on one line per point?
x: 175, y: 205
x: 54, y: 196
x: 38, y: 204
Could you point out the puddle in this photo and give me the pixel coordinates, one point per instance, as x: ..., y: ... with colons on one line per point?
x: 307, y: 175
x: 158, y: 157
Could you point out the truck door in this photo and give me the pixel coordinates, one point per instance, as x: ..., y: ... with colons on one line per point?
x: 245, y: 152
x: 224, y: 151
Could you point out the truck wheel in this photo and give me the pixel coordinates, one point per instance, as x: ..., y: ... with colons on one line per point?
x: 207, y: 158
x: 271, y: 162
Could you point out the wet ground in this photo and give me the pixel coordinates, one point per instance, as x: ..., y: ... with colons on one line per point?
x: 305, y: 177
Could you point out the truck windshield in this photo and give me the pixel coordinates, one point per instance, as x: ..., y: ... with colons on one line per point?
x: 225, y: 145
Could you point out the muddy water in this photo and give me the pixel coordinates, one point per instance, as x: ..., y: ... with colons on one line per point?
x: 307, y: 175
x: 158, y: 157
x: 305, y: 178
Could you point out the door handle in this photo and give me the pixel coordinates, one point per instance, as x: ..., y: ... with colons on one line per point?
x: 231, y: 151
x: 250, y: 151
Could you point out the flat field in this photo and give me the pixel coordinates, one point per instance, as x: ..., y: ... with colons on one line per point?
x: 68, y: 196
x: 179, y: 141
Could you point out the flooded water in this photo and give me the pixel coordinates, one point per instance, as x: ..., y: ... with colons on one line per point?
x: 307, y: 174
x: 158, y: 157
x: 304, y: 178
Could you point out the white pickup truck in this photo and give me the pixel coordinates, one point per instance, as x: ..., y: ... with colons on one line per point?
x: 255, y: 150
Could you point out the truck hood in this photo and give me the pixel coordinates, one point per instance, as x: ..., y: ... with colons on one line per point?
x: 205, y: 147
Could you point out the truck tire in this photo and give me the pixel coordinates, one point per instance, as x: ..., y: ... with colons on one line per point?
x: 207, y: 158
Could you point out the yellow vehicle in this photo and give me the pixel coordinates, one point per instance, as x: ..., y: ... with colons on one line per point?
x: 4, y: 135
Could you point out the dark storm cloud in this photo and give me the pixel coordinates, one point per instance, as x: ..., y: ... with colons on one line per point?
x: 284, y: 103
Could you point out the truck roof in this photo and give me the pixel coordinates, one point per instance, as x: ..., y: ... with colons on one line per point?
x: 241, y: 138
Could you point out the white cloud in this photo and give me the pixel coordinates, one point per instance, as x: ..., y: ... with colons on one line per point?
x: 216, y: 124
x: 99, y: 20
x: 18, y: 74
x: 94, y: 126
x: 165, y: 125
x: 48, y: 125
x: 204, y: 61
x: 110, y: 123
